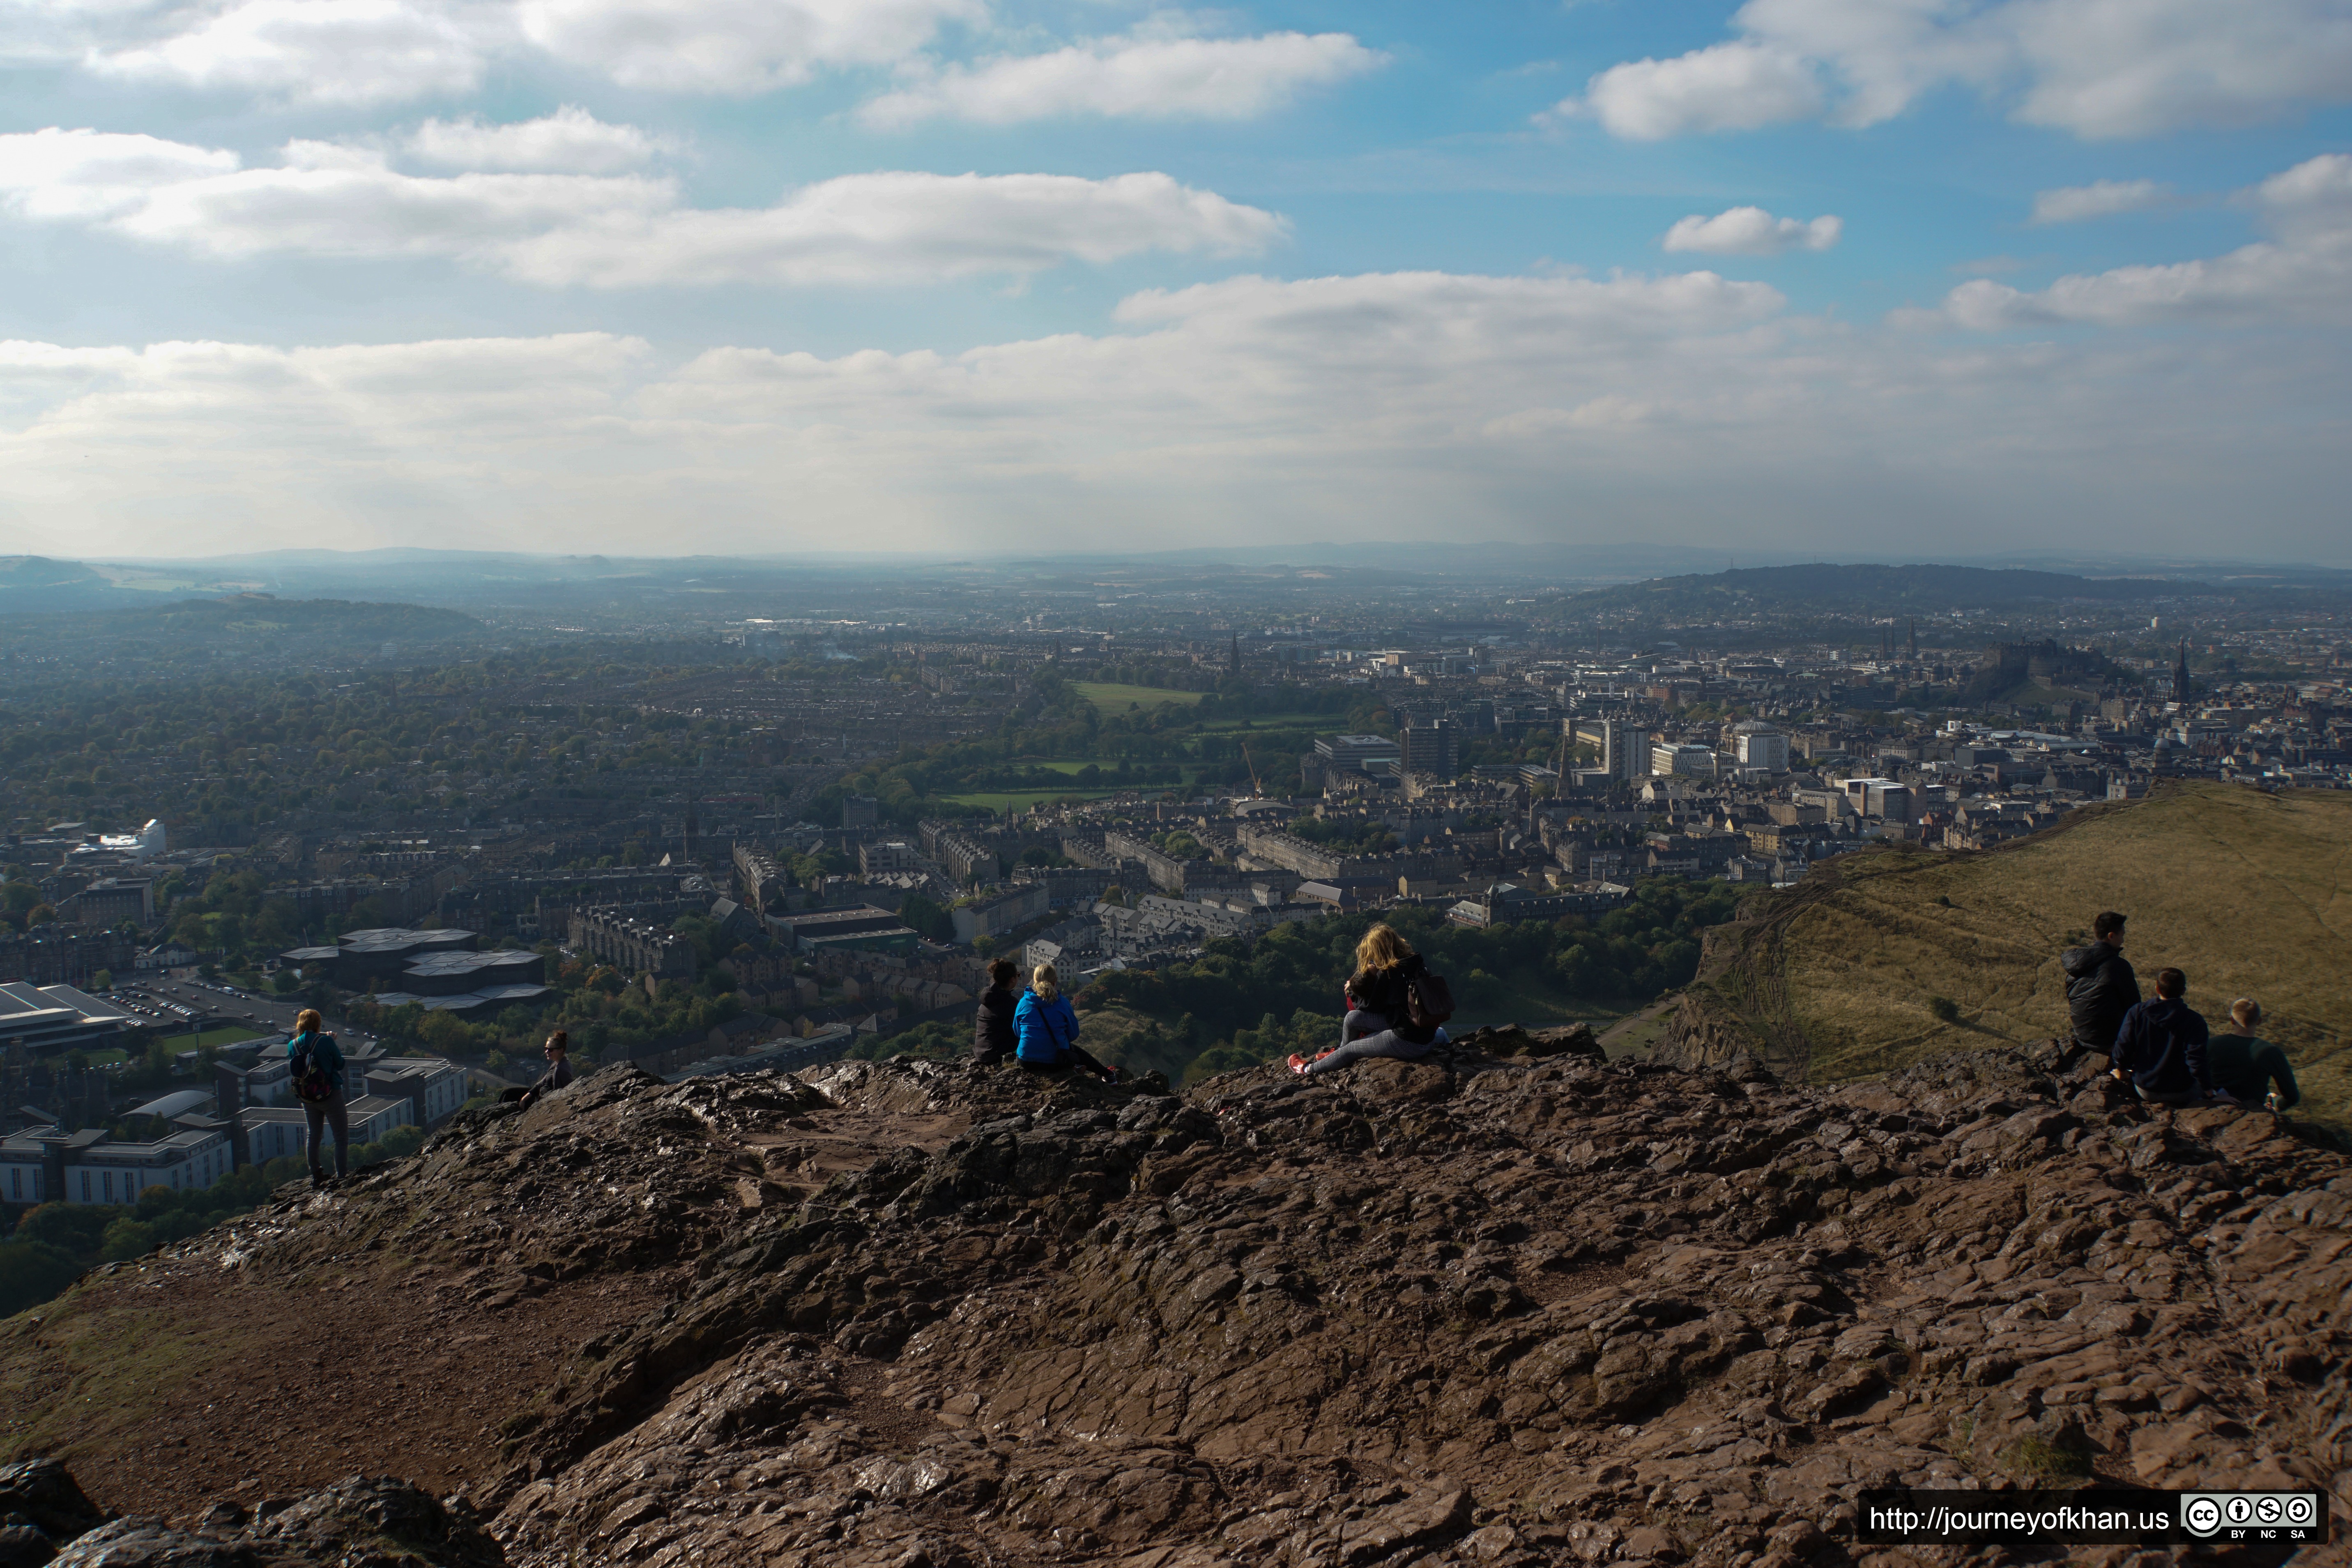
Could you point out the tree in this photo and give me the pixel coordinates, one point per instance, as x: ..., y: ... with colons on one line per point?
x: 102, y: 981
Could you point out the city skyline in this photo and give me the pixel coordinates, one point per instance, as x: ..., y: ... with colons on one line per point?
x: 651, y: 278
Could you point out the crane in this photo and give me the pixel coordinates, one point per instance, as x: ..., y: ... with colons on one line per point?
x: 1257, y: 789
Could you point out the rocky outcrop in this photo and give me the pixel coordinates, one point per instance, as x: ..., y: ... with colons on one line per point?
x: 1524, y: 1310
x: 362, y: 1522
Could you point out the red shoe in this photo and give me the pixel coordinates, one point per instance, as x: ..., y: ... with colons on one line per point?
x: 1298, y: 1063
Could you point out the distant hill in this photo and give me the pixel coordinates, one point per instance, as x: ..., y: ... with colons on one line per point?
x: 1824, y: 589
x: 2245, y: 891
x: 37, y: 584
x: 239, y: 624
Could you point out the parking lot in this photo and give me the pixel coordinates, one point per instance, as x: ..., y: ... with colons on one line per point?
x: 172, y: 1003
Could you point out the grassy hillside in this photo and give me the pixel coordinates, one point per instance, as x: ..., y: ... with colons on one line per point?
x: 2245, y: 892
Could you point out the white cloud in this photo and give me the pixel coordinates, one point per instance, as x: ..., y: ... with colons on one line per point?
x: 2096, y: 67
x: 893, y: 227
x: 362, y: 52
x: 353, y: 52
x: 1729, y: 87
x: 91, y: 175
x: 1137, y: 79
x: 612, y: 231
x: 570, y: 140
x: 734, y: 46
x: 2100, y: 198
x: 1246, y: 410
x: 1751, y: 231
x: 2303, y: 276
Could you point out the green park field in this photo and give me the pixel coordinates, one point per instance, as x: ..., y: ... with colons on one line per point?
x: 1110, y: 699
x: 223, y: 1036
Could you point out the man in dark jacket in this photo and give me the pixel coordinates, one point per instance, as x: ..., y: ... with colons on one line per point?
x: 992, y: 1036
x: 2100, y: 985
x: 2160, y: 1047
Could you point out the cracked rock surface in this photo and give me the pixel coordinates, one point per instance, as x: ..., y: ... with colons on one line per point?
x: 1532, y: 1309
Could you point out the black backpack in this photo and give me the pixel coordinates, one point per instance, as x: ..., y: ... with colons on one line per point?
x: 1428, y: 1000
x: 311, y: 1084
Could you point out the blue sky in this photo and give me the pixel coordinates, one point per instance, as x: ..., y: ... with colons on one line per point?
x: 669, y: 274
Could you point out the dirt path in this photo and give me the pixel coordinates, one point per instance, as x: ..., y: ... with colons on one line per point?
x: 251, y: 1390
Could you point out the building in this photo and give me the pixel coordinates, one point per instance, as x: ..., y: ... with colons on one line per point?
x: 1166, y: 871
x: 141, y: 847
x: 1505, y: 902
x: 993, y: 917
x: 378, y: 956
x: 1356, y: 751
x: 1756, y: 744
x: 1625, y: 748
x: 859, y: 927
x: 1669, y: 758
x: 62, y: 954
x: 888, y: 855
x: 1066, y: 885
x: 1432, y: 748
x: 267, y: 1081
x: 759, y: 877
x: 627, y: 942
x: 1880, y: 797
x: 48, y: 1020
x: 860, y: 811
x: 110, y: 900
x: 51, y: 1164
x: 966, y: 858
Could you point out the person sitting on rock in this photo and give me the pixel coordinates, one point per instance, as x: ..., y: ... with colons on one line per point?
x: 1379, y: 1021
x: 558, y: 1051
x: 1048, y: 1029
x: 992, y: 1034
x: 2244, y: 1067
x: 2100, y: 984
x: 2160, y: 1049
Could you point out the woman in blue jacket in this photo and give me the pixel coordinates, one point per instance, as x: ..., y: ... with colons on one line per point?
x: 1048, y: 1028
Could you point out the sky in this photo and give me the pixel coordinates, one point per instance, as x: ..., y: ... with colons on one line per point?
x: 1880, y: 279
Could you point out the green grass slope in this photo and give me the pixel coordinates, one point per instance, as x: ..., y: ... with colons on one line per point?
x: 2245, y: 892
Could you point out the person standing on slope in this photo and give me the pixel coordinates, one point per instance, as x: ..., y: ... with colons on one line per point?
x: 2100, y: 985
x: 315, y: 1064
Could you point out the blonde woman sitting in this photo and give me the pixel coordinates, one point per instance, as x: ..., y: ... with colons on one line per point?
x: 1047, y: 1027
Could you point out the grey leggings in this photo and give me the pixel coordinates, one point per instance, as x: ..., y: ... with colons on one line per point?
x: 1383, y: 1042
x: 322, y: 1114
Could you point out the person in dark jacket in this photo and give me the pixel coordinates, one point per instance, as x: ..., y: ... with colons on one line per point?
x: 992, y: 1036
x: 558, y: 1052
x: 2244, y: 1067
x: 2160, y: 1049
x: 1048, y: 1027
x: 1379, y: 1021
x: 310, y: 1043
x: 2100, y: 985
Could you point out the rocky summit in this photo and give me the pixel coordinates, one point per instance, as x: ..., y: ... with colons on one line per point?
x: 1514, y: 1305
